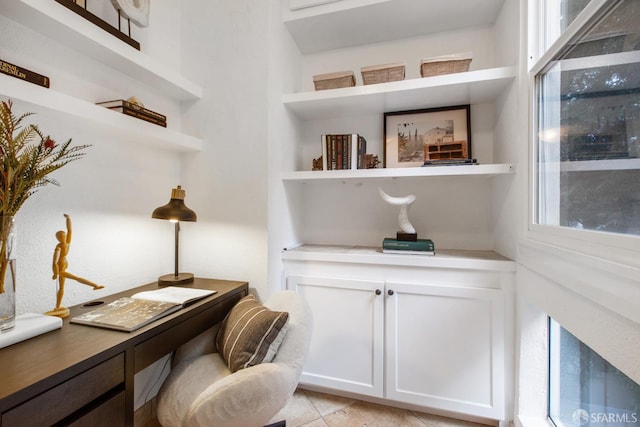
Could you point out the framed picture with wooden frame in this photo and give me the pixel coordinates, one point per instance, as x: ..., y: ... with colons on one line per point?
x: 415, y: 136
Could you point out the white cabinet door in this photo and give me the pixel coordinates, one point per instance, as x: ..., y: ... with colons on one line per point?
x: 347, y: 343
x: 445, y: 348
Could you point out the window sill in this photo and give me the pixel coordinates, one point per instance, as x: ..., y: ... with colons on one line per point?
x: 530, y: 421
x: 612, y: 285
x: 614, y: 248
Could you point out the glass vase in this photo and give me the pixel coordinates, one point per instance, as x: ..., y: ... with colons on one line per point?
x: 7, y: 274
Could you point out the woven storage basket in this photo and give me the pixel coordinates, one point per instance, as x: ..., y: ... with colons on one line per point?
x: 382, y: 73
x: 334, y: 80
x: 448, y: 64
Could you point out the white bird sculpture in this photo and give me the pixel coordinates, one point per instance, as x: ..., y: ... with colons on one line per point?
x: 136, y: 10
x: 404, y: 203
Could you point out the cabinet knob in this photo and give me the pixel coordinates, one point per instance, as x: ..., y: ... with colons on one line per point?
x: 390, y: 291
x: 378, y: 291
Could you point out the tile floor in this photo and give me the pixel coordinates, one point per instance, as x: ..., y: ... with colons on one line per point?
x: 313, y: 409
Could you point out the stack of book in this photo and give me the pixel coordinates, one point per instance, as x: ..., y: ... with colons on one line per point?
x: 450, y: 162
x: 418, y: 247
x: 343, y: 151
x: 134, y: 110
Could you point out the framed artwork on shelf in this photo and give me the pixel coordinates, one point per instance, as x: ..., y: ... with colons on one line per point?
x: 435, y: 134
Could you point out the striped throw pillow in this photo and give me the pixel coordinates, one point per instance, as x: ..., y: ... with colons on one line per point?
x: 250, y: 334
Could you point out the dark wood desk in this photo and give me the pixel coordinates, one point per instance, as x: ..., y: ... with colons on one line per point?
x: 83, y: 375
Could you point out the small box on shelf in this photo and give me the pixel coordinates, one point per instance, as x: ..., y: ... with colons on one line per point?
x: 335, y: 80
x: 382, y: 73
x: 447, y: 64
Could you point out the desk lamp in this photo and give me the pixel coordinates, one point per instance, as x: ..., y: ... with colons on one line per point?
x: 175, y: 211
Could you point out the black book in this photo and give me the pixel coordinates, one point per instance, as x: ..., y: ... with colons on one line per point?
x: 23, y: 74
x: 450, y: 162
x: 121, y: 103
x: 137, y: 114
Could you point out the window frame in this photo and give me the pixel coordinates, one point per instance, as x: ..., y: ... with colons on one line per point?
x: 618, y: 248
x: 555, y: 398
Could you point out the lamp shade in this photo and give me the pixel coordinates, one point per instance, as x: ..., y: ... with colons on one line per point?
x: 175, y: 210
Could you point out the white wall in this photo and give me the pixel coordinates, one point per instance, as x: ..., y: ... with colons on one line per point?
x: 409, y: 51
x: 510, y: 143
x: 227, y: 182
x: 109, y: 194
x: 283, y: 73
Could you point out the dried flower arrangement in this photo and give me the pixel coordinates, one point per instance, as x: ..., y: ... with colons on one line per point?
x: 27, y: 157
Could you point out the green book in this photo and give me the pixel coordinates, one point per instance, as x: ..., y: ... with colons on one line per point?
x: 419, y: 245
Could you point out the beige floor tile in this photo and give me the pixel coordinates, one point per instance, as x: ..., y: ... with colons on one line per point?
x: 299, y: 411
x: 328, y: 403
x: 363, y: 414
x: 314, y: 409
x: 315, y: 423
x: 437, y: 421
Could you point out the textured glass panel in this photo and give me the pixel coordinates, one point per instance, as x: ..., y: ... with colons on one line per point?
x: 588, y: 150
x: 585, y: 389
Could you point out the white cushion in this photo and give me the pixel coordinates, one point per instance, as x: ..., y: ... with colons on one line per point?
x: 187, y: 381
x: 201, y: 391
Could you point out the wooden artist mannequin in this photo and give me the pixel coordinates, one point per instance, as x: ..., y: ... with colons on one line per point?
x: 60, y: 273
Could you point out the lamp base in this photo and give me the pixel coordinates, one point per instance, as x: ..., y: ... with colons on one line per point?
x: 172, y: 279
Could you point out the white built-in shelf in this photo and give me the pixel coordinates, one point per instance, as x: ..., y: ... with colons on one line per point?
x: 599, y: 165
x: 444, y: 258
x: 83, y: 115
x: 357, y: 22
x: 385, y: 174
x: 61, y: 24
x: 471, y: 87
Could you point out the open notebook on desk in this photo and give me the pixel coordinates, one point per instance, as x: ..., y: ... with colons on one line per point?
x: 134, y: 312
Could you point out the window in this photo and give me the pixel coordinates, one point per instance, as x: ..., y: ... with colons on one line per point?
x: 586, y: 390
x: 587, y: 117
x: 584, y: 230
x: 558, y: 15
